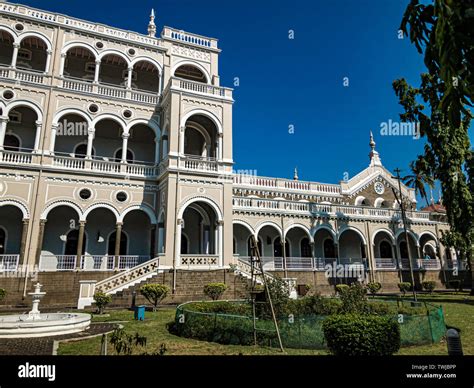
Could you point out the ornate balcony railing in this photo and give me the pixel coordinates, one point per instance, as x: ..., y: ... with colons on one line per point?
x: 314, y: 209
x: 191, y: 162
x: 385, y: 263
x: 186, y: 37
x: 25, y: 76
x: 57, y: 263
x: 199, y: 88
x: 130, y: 261
x: 16, y: 157
x: 205, y: 260
x: 9, y: 262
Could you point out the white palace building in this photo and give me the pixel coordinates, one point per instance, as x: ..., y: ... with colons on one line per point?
x: 116, y: 164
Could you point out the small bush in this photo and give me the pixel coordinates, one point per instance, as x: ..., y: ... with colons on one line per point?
x: 404, y: 287
x: 214, y: 290
x: 101, y: 300
x: 220, y: 307
x: 361, y: 335
x: 374, y: 287
x: 429, y: 286
x: 354, y: 299
x: 3, y: 294
x: 154, y: 293
x: 313, y: 305
x: 280, y: 294
x: 340, y: 288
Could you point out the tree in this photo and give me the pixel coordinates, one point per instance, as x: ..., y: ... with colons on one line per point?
x: 101, y: 300
x: 442, y: 31
x: 154, y: 293
x: 420, y: 177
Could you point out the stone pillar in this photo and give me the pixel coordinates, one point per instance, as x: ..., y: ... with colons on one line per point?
x: 179, y: 227
x: 40, y: 241
x: 24, y: 234
x: 48, y: 60
x: 80, y: 243
x: 90, y: 140
x: 39, y: 125
x: 219, y: 146
x: 125, y: 137
x: 16, y: 47
x: 181, y: 140
x: 220, y: 240
x: 3, y: 130
x: 129, y: 79
x: 118, y: 236
x: 52, y: 141
x: 61, y: 64
x: 157, y: 150
x: 161, y: 237
x: 97, y: 71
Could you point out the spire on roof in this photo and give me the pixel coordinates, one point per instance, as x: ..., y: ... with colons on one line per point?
x: 295, y: 175
x: 152, y: 25
x: 373, y: 155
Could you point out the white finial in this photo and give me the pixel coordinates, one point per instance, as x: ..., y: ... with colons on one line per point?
x: 373, y: 155
x: 372, y: 142
x: 152, y: 25
x: 295, y: 176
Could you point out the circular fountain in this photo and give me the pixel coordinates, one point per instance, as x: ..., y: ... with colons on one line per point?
x: 35, y: 324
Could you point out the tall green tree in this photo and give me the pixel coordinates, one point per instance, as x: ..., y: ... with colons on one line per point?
x: 420, y: 177
x: 442, y: 31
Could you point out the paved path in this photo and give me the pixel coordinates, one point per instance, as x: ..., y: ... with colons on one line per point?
x: 44, y: 345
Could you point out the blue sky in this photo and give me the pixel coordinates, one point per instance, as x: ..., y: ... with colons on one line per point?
x: 296, y: 82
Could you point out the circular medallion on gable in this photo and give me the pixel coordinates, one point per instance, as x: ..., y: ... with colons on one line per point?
x: 379, y: 188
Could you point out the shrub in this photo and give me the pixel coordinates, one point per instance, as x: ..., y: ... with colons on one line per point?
x: 3, y: 293
x: 354, y: 299
x: 280, y: 294
x: 154, y: 293
x: 101, y: 300
x: 125, y: 343
x: 404, y: 287
x: 340, y: 288
x: 314, y: 305
x: 429, y: 286
x: 374, y: 287
x: 361, y: 335
x: 214, y: 290
x: 220, y: 307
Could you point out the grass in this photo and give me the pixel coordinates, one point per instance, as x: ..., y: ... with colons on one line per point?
x: 458, y: 309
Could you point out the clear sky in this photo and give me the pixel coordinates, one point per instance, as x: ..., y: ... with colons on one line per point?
x: 294, y: 82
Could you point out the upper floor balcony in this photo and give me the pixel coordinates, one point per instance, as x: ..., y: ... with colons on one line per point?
x: 324, y: 210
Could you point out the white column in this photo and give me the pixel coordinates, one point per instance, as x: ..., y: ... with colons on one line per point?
x: 48, y: 60
x: 16, y: 46
x: 179, y: 225
x: 157, y: 150
x: 125, y: 137
x: 97, y: 70
x: 39, y: 125
x: 219, y: 146
x: 129, y: 79
x: 90, y: 139
x: 220, y: 242
x: 61, y: 64
x: 161, y: 237
x: 52, y: 141
x: 181, y: 140
x: 3, y: 130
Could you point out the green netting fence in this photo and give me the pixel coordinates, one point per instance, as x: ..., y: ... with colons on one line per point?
x: 298, y: 332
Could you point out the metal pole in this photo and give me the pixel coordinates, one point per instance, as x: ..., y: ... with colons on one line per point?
x: 283, y: 246
x: 402, y: 208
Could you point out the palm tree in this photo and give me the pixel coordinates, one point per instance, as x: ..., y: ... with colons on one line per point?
x: 420, y: 177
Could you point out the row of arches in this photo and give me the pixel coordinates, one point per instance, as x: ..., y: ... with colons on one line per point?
x: 79, y: 60
x: 106, y: 137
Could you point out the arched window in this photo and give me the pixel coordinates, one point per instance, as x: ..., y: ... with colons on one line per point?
x: 429, y: 252
x: 81, y: 151
x: 305, y: 248
x: 184, y: 244
x: 3, y: 238
x: 191, y: 73
x: 123, y: 244
x: 70, y: 247
x: 277, y: 248
x: 11, y: 143
x: 403, y: 250
x: 385, y: 250
x: 329, y: 249
x: 118, y: 155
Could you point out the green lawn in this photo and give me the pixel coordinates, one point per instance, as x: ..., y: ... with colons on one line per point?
x: 459, y: 312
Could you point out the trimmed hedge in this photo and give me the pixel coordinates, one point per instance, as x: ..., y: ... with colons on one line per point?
x: 361, y: 335
x: 404, y: 287
x: 214, y: 290
x: 429, y: 286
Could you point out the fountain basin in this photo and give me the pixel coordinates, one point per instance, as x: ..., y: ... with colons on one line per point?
x: 43, y: 325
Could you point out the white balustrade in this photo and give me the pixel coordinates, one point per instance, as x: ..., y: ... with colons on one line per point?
x: 130, y: 261
x: 141, y: 170
x: 200, y: 164
x: 9, y: 262
x: 77, y: 86
x: 105, y: 166
x: 199, y: 260
x: 111, y: 91
x: 385, y: 263
x: 147, y: 98
x: 69, y: 163
x: 13, y: 157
